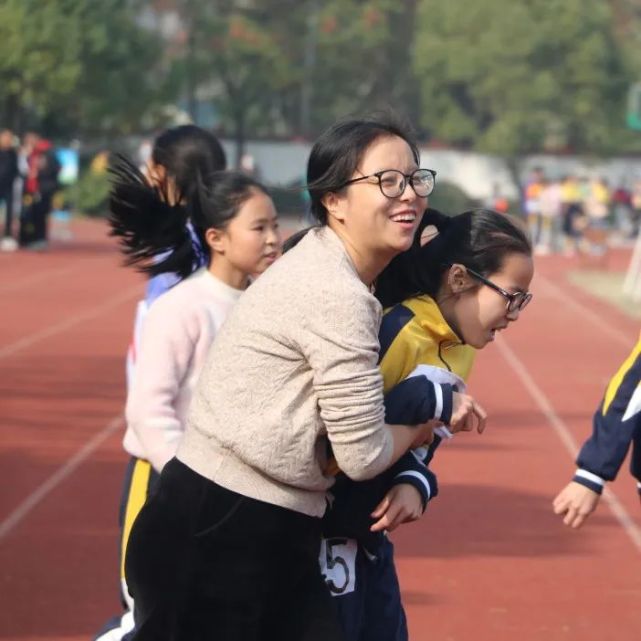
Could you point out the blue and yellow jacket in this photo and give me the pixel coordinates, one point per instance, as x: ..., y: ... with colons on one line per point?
x: 616, y: 425
x: 413, y: 334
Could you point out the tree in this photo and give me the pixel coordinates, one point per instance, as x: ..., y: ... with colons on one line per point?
x: 74, y: 65
x: 231, y: 49
x: 513, y: 78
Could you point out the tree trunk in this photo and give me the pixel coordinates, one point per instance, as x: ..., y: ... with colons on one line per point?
x: 239, y: 132
x: 514, y: 165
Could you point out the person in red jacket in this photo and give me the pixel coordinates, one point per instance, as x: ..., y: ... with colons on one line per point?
x: 41, y: 182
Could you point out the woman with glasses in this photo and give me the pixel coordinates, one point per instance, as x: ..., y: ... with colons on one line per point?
x: 228, y: 546
x: 464, y: 279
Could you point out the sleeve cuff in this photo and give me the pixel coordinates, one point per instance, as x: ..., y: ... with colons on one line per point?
x: 589, y: 480
x: 425, y: 482
x: 444, y: 402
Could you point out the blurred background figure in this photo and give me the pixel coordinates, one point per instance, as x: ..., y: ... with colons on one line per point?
x: 532, y: 193
x: 41, y: 182
x: 8, y: 175
x: 635, y: 204
x: 597, y: 209
x: 550, y: 205
x: 572, y: 214
x: 622, y: 211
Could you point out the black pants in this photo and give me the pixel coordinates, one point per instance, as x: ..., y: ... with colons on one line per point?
x: 205, y: 563
x: 6, y: 195
x: 34, y: 220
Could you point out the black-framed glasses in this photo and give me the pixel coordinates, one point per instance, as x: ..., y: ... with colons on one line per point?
x: 392, y: 182
x: 516, y: 302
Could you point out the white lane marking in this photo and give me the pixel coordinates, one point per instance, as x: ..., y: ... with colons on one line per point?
x: 46, y: 275
x: 569, y: 301
x: 90, y: 314
x: 70, y: 466
x: 563, y: 432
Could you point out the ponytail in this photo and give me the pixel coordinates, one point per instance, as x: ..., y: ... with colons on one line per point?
x: 479, y: 239
x: 146, y: 225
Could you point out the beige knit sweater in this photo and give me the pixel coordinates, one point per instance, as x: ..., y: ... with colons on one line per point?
x: 294, y: 364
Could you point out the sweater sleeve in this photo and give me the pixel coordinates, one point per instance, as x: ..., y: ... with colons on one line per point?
x: 162, y: 361
x: 341, y: 346
x: 616, y: 424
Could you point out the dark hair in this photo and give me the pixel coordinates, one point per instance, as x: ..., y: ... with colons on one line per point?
x: 291, y: 241
x: 185, y: 152
x: 149, y: 227
x: 337, y: 152
x: 479, y: 239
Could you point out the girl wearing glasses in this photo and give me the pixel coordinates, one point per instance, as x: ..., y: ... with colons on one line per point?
x: 464, y: 279
x: 228, y: 546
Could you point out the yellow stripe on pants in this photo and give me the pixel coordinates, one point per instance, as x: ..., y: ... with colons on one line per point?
x: 136, y: 499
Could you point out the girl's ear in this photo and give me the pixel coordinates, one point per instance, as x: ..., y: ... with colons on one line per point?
x: 458, y: 279
x: 215, y: 239
x: 333, y: 204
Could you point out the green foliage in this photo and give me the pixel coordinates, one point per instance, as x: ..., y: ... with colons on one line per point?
x: 450, y: 199
x: 520, y: 77
x: 90, y: 194
x: 503, y: 77
x: 74, y: 65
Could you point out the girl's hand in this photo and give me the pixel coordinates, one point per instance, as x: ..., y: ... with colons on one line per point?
x: 402, y: 504
x: 466, y: 414
x: 576, y: 502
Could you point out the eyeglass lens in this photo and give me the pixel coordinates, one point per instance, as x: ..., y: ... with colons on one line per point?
x: 393, y: 182
x: 518, y: 302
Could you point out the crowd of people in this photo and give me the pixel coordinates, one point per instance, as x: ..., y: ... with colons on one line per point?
x: 576, y: 214
x: 29, y: 171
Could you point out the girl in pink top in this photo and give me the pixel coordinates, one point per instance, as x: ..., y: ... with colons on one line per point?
x: 235, y: 221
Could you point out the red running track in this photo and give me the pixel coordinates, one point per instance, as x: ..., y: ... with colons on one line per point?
x: 488, y: 562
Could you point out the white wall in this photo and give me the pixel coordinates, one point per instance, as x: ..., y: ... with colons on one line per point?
x: 281, y: 163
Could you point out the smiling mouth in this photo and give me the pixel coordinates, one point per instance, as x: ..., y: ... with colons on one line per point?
x: 404, y: 217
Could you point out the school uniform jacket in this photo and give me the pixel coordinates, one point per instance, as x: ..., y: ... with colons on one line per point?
x: 616, y: 425
x: 420, y: 355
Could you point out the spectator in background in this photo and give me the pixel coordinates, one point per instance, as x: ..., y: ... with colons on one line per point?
x: 622, y: 210
x: 497, y: 201
x: 597, y: 208
x: 532, y: 194
x: 8, y: 174
x: 635, y: 204
x: 573, y: 216
x: 41, y: 182
x: 550, y: 205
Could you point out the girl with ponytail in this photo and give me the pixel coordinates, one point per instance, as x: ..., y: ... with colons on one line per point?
x: 464, y: 279
x: 229, y: 225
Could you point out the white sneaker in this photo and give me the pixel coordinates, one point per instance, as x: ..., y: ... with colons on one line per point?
x: 8, y: 244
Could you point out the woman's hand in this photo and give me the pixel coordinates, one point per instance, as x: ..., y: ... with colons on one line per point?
x: 467, y: 414
x: 576, y: 502
x: 402, y: 504
x: 424, y: 434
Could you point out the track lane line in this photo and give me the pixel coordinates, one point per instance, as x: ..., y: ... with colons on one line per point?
x: 36, y: 278
x: 620, y: 337
x: 69, y: 467
x: 565, y: 435
x: 58, y: 328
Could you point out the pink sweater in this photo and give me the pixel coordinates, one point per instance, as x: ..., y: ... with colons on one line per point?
x: 176, y: 335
